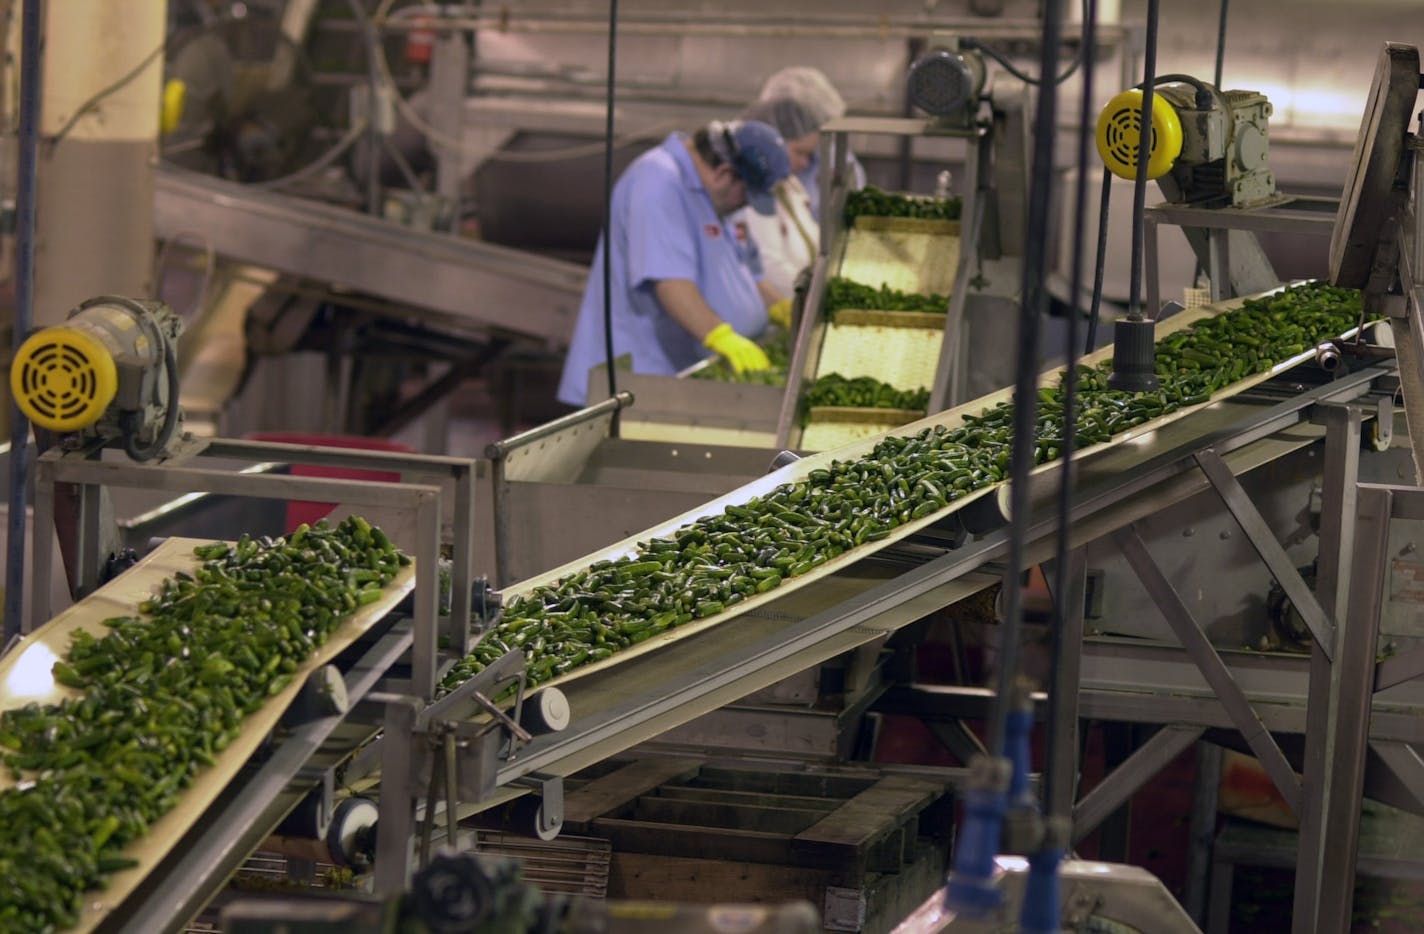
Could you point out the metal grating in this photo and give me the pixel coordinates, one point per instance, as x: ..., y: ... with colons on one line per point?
x: 564, y: 865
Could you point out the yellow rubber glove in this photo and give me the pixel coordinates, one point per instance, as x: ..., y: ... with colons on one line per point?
x: 780, y: 313
x: 741, y: 353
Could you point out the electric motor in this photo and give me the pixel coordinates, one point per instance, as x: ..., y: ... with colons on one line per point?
x: 110, y: 371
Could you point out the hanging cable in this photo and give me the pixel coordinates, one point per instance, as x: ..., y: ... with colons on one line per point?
x: 1099, y: 261
x: 970, y: 42
x: 608, y: 205
x: 1025, y: 382
x: 25, y: 191
x: 1055, y: 742
x: 83, y: 109
x: 970, y: 887
x: 1003, y: 60
x: 1220, y: 45
x: 1144, y: 147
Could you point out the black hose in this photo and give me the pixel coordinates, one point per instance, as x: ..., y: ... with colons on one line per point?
x: 1009, y: 66
x: 1035, y: 301
x: 170, y: 415
x: 969, y: 42
x: 608, y: 207
x: 1144, y: 140
x: 1205, y: 92
x: 1055, y: 741
x: 1098, y: 263
x: 28, y: 158
x: 1220, y: 45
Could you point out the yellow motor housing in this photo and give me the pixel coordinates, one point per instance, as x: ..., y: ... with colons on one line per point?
x: 63, y: 378
x: 1119, y: 132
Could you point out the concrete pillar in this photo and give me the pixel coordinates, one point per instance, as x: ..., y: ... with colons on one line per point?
x: 94, y: 212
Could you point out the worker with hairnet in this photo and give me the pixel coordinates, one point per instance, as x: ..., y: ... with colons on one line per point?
x: 810, y: 88
x: 683, y: 275
x: 786, y: 240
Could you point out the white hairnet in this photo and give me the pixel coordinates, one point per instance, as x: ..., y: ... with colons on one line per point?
x: 788, y: 116
x: 810, y: 88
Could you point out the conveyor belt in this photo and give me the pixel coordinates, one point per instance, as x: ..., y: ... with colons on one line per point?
x: 857, y: 598
x: 25, y: 678
x: 449, y: 283
x: 1043, y: 476
x: 619, y: 705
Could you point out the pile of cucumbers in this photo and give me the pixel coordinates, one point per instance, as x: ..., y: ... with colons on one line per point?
x: 874, y: 202
x: 162, y: 693
x: 865, y: 392
x: 720, y: 560
x: 842, y: 293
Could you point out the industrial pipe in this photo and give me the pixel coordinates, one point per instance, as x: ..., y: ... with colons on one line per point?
x: 24, y: 312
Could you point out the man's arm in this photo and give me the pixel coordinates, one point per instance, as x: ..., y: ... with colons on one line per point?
x: 769, y: 295
x: 684, y: 303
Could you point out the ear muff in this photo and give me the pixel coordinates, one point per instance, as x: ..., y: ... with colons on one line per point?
x: 1119, y: 133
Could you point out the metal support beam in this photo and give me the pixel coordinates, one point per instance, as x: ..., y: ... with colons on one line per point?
x: 1280, y: 565
x: 1114, y: 790
x: 397, y: 820
x: 1398, y: 669
x: 1398, y: 775
x: 1341, y: 474
x: 1205, y: 802
x: 1200, y: 650
x: 1350, y: 699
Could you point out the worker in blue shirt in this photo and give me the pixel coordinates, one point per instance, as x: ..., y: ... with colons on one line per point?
x: 684, y: 279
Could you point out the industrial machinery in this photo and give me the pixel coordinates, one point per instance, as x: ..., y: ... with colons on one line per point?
x: 108, y: 374
x: 465, y: 893
x: 436, y: 761
x: 946, y: 81
x: 1208, y: 147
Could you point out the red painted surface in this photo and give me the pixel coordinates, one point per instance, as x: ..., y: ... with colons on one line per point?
x: 299, y: 511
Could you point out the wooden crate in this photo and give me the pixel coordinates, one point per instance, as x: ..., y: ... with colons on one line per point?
x: 864, y: 847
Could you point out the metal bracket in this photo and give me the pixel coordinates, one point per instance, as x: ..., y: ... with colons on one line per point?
x: 1382, y: 433
x: 1204, y: 655
x: 1264, y: 541
x: 550, y: 790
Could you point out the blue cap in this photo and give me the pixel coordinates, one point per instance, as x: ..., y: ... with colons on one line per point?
x: 758, y: 156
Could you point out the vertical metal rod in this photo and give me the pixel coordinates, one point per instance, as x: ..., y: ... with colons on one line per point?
x: 427, y: 817
x: 1220, y: 44
x: 1203, y: 831
x: 951, y: 378
x: 1061, y: 772
x: 1340, y: 476
x: 499, y: 493
x: 43, y: 548
x: 449, y: 77
x: 607, y: 265
x: 1218, y: 263
x: 1071, y: 568
x: 374, y: 85
x: 28, y: 159
x: 88, y: 551
x: 462, y: 558
x: 1144, y: 150
x: 397, y: 801
x: 427, y: 596
x: 1099, y: 261
x: 1154, y: 276
x: 1351, y: 699
x: 452, y: 792
x: 1035, y: 299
